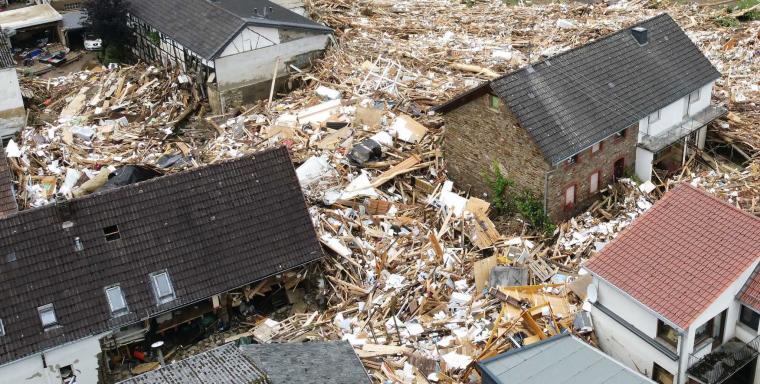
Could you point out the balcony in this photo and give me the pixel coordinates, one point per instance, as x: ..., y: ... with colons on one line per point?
x: 691, y: 124
x: 723, y: 362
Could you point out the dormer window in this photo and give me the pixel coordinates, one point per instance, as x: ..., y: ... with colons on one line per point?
x: 47, y: 316
x: 116, y: 300
x: 162, y: 287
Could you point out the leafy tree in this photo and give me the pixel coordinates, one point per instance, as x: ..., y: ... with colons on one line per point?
x: 107, y: 19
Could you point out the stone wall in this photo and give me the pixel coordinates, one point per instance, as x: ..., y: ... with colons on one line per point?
x: 579, y: 174
x: 476, y: 136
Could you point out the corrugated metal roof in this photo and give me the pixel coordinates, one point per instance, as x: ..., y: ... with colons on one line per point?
x: 561, y: 359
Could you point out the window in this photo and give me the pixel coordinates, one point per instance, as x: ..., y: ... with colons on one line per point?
x: 660, y: 375
x: 2, y: 328
x: 111, y: 233
x: 667, y: 334
x: 749, y: 317
x: 573, y: 160
x: 47, y: 316
x: 619, y: 135
x: 703, y: 333
x: 162, y: 287
x: 570, y: 197
x: 594, y: 183
x: 494, y: 102
x: 116, y: 301
x: 67, y: 374
x: 10, y: 257
x: 654, y: 116
x: 596, y: 147
x: 694, y: 97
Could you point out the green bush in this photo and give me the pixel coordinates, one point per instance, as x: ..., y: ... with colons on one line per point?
x: 531, y: 209
x: 499, y: 185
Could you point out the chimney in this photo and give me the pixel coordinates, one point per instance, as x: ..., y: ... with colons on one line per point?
x: 640, y: 34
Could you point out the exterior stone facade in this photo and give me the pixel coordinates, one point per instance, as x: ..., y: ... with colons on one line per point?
x: 579, y: 173
x: 477, y: 136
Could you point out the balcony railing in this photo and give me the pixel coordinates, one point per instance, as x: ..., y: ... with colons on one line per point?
x: 684, y: 128
x: 720, y: 364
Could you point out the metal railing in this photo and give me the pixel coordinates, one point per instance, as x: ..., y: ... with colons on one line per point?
x: 690, y: 124
x: 720, y: 364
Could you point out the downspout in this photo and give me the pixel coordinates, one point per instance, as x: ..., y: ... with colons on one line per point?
x: 546, y: 191
x: 680, y: 357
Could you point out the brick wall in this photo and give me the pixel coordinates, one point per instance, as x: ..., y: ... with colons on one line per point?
x: 579, y: 174
x: 476, y: 135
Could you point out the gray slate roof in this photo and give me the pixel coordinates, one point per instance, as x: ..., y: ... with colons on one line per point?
x: 579, y: 97
x: 212, y: 229
x: 6, y: 55
x: 332, y: 362
x: 206, y: 26
x: 222, y: 365
x: 562, y: 359
x: 328, y: 362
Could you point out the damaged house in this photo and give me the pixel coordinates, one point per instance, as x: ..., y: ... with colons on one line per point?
x: 12, y: 112
x: 676, y: 295
x: 236, y: 46
x: 150, y: 254
x: 565, y: 127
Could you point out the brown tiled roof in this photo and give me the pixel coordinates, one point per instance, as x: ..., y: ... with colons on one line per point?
x: 679, y: 256
x: 8, y: 203
x: 750, y: 293
x: 213, y: 229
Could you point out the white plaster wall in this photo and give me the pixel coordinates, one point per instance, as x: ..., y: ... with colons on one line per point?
x: 82, y: 355
x: 644, y: 160
x: 672, y: 114
x: 256, y: 66
x: 252, y: 38
x: 12, y: 114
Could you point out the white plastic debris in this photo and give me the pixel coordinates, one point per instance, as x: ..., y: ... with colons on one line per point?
x: 314, y: 169
x: 12, y: 150
x: 328, y: 93
x: 457, y: 361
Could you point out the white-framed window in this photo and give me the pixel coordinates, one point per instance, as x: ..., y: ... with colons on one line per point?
x: 570, y: 196
x: 594, y: 182
x: 47, y: 315
x: 162, y: 287
x: 116, y: 300
x: 596, y: 147
x: 654, y: 116
x: 694, y: 97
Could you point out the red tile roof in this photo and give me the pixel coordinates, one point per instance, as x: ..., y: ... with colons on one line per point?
x: 750, y: 294
x: 679, y: 256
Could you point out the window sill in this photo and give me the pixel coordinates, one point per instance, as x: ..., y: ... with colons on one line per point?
x: 747, y: 328
x: 699, y: 346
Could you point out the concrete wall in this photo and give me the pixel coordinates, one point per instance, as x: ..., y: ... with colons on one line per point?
x: 12, y: 113
x: 82, y: 355
x: 246, y: 77
x: 477, y: 136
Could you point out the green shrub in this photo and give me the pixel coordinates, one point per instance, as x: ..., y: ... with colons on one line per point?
x: 499, y: 186
x: 531, y: 209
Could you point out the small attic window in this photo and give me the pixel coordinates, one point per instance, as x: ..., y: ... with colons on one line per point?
x: 116, y: 300
x: 10, y: 257
x: 162, y: 287
x: 47, y: 316
x: 2, y: 328
x: 494, y: 102
x: 112, y: 233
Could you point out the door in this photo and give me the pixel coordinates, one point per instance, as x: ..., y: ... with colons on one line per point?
x: 618, y: 169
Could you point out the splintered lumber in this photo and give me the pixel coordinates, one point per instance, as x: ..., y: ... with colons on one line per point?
x: 396, y: 170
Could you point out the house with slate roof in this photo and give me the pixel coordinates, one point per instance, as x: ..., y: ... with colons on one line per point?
x: 235, y: 46
x: 562, y: 359
x: 12, y: 112
x: 565, y: 127
x: 676, y: 296
x: 155, y: 252
x: 319, y: 362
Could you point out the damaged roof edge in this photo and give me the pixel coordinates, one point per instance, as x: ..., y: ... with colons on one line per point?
x: 463, y: 98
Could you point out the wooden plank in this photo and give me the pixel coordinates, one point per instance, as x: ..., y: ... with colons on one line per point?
x: 481, y: 271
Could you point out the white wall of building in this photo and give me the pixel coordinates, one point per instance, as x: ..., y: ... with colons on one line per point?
x: 252, y: 38
x: 628, y: 348
x: 257, y: 66
x: 82, y: 355
x: 673, y: 114
x: 12, y: 113
x: 620, y: 343
x: 644, y: 163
